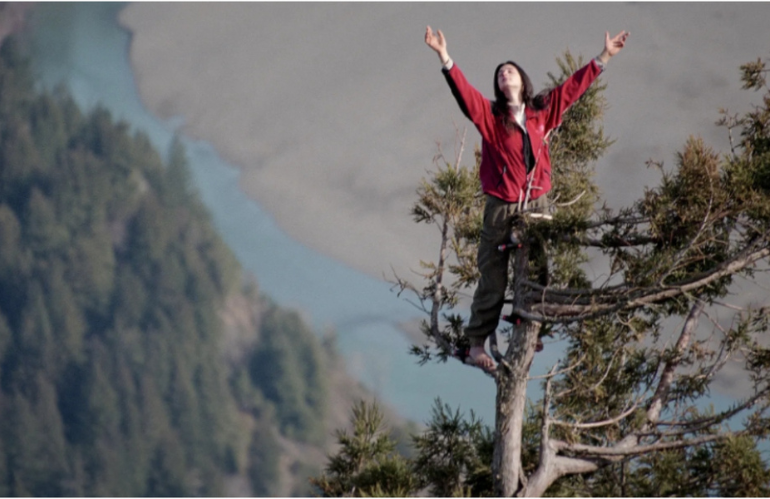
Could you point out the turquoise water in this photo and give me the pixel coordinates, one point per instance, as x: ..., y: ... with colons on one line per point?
x: 82, y: 46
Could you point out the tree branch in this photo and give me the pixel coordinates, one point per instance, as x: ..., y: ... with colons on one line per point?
x: 561, y: 371
x: 599, y: 424
x: 702, y: 423
x: 610, y: 241
x: 596, y: 385
x: 667, y: 376
x: 635, y: 450
x: 619, y: 220
x: 600, y: 305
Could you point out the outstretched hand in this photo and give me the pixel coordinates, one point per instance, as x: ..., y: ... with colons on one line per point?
x: 613, y: 45
x: 437, y: 42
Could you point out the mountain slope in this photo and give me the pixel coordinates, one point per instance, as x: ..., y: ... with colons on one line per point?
x: 133, y: 359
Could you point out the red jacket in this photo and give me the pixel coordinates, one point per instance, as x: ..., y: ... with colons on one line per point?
x: 503, y: 171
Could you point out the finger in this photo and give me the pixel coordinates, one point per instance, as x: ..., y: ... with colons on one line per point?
x: 430, y: 37
x: 440, y: 36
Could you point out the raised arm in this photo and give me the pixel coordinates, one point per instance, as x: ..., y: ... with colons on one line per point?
x: 438, y: 43
x: 563, y: 96
x: 472, y: 103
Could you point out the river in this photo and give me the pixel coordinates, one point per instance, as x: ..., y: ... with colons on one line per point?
x: 82, y: 46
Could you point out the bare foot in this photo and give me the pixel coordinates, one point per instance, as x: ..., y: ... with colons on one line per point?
x: 481, y: 359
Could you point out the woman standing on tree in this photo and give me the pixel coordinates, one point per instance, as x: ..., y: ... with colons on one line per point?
x: 515, y: 165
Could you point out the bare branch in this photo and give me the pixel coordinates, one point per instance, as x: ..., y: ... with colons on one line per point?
x: 635, y: 450
x: 613, y: 242
x: 725, y: 350
x: 570, y: 203
x: 599, y: 424
x: 694, y: 425
x: 620, y: 220
x: 583, y: 309
x: 545, y: 428
x: 728, y: 305
x: 403, y: 286
x: 562, y: 371
x: 569, y: 295
x: 462, y: 146
x: 667, y: 376
x: 729, y: 122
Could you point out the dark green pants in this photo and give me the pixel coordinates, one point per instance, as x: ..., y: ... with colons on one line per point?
x: 488, y: 300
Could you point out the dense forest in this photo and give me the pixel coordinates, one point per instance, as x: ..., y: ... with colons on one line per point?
x: 135, y: 358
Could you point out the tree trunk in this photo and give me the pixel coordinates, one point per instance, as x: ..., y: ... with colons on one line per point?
x: 507, y: 471
x: 511, y: 404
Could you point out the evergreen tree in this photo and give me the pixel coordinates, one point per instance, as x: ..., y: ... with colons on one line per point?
x: 453, y: 455
x: 618, y: 414
x: 263, y: 471
x: 288, y: 369
x: 72, y: 188
x: 366, y: 464
x: 113, y: 279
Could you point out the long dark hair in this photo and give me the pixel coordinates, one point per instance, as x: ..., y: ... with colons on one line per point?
x: 535, y: 102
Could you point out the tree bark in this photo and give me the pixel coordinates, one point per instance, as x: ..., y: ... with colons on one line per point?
x: 511, y: 401
x: 510, y: 406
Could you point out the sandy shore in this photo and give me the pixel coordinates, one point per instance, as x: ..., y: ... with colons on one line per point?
x: 310, y: 127
x: 333, y: 111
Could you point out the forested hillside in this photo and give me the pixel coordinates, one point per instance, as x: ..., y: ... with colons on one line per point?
x: 133, y: 360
